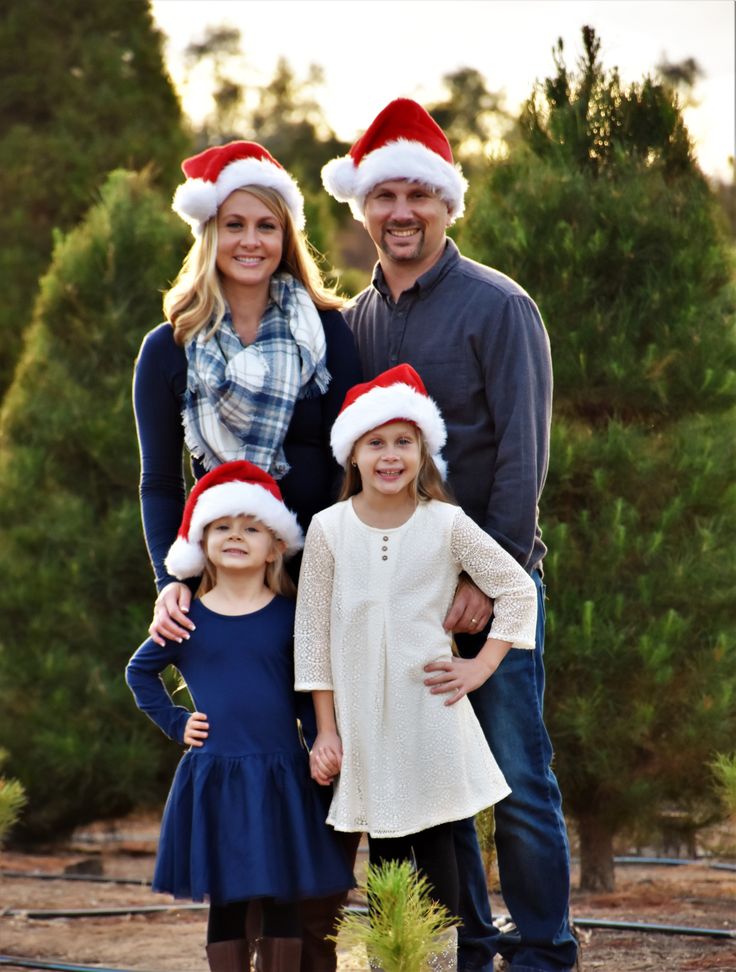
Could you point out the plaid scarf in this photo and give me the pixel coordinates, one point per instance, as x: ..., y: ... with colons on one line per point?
x: 240, y: 400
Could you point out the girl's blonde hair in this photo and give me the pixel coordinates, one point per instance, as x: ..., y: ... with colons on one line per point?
x: 196, y: 298
x: 276, y: 578
x: 428, y: 484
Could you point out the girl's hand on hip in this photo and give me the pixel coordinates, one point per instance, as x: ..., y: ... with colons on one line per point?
x: 457, y: 676
x: 196, y: 730
x: 170, y: 621
x: 325, y: 758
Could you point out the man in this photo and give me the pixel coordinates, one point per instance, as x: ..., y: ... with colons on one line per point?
x: 478, y: 342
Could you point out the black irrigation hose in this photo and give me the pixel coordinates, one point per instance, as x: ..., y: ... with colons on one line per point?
x: 96, y: 878
x: 117, y: 838
x: 142, y: 882
x: 45, y: 913
x: 648, y: 927
x: 674, y: 862
x: 27, y: 963
x: 158, y: 909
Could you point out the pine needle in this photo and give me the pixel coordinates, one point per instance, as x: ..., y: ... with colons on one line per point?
x: 404, y: 925
x: 12, y: 800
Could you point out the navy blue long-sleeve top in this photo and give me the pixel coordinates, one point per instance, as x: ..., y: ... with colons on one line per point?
x: 159, y: 385
x: 240, y: 673
x: 478, y: 341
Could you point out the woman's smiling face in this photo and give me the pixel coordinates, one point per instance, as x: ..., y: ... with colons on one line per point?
x: 250, y: 241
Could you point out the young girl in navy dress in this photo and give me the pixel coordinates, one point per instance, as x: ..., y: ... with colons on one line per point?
x: 243, y: 819
x: 379, y: 572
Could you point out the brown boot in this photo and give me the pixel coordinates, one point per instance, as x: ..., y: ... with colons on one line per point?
x: 319, y: 919
x: 232, y: 956
x: 279, y: 954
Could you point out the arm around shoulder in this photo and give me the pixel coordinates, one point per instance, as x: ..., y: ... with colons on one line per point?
x: 501, y: 577
x: 159, y: 383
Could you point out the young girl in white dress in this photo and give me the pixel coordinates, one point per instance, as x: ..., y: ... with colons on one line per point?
x: 379, y: 572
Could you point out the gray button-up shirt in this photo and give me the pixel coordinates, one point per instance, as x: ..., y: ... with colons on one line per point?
x: 478, y: 342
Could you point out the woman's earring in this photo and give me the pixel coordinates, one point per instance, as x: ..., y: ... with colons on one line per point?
x: 353, y: 463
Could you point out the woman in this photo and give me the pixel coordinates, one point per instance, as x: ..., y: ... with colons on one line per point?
x: 253, y: 362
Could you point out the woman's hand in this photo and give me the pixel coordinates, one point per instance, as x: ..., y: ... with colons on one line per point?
x: 196, y: 730
x: 470, y: 610
x: 325, y: 759
x: 170, y: 621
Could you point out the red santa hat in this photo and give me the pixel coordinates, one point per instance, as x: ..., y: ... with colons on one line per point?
x: 215, y: 173
x: 404, y: 142
x: 395, y: 395
x: 232, y: 489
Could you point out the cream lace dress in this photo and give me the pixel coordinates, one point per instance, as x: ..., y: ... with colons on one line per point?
x: 369, y: 618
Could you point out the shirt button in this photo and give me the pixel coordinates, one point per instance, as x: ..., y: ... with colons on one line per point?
x: 384, y: 557
x: 385, y: 538
x: 384, y: 548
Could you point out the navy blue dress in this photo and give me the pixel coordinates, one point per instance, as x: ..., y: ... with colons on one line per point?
x: 243, y: 818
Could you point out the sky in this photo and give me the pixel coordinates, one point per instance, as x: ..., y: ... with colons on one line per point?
x: 372, y: 51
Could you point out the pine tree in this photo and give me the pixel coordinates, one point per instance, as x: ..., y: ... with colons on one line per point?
x: 604, y: 217
x: 12, y: 801
x: 77, y: 587
x: 82, y: 91
x: 405, y: 928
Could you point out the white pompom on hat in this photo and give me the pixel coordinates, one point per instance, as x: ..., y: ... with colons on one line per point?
x: 237, y: 488
x: 403, y: 142
x: 215, y: 173
x: 395, y: 395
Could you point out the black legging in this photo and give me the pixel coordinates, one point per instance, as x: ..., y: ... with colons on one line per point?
x: 433, y: 852
x: 227, y: 922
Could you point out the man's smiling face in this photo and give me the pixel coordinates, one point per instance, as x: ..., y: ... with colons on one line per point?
x: 407, y: 222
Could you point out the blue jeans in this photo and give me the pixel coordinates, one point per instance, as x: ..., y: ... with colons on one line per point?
x: 531, y: 838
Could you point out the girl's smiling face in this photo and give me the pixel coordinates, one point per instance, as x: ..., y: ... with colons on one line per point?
x: 239, y: 543
x: 388, y: 458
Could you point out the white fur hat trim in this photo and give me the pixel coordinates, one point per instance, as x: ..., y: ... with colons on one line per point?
x: 186, y: 556
x: 401, y: 159
x: 198, y: 200
x: 381, y: 405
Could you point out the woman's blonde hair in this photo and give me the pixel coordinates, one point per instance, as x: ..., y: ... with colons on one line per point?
x: 428, y: 484
x: 195, y: 299
x: 276, y: 578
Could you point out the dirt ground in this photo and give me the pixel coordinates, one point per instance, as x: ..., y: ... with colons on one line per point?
x: 695, y: 895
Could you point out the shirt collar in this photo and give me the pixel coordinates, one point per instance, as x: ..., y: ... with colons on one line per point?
x: 426, y: 283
